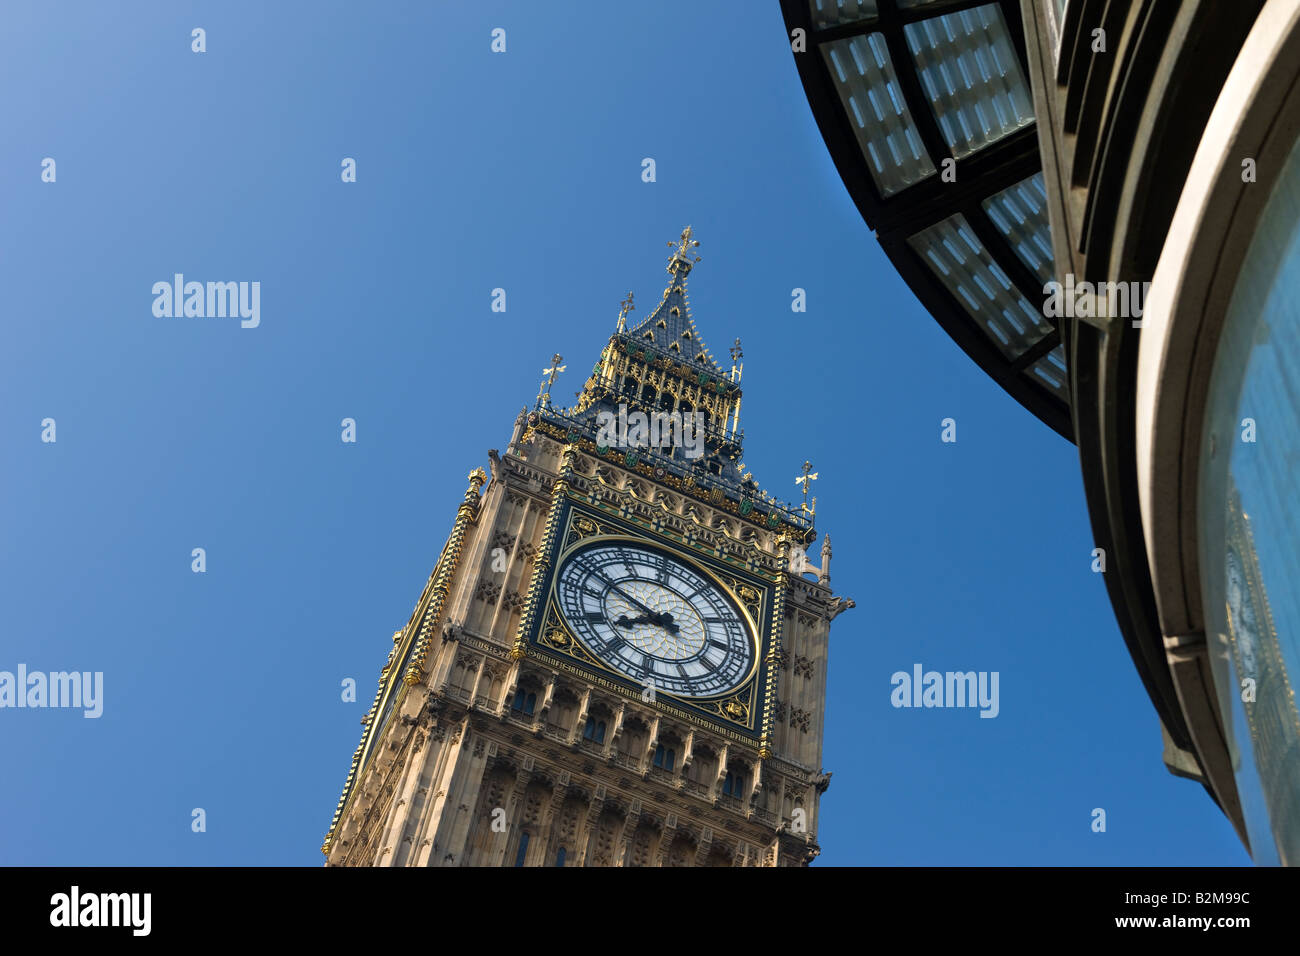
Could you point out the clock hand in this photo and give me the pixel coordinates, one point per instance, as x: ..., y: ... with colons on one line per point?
x: 657, y: 618
x: 615, y: 587
x: 625, y: 621
x: 664, y: 620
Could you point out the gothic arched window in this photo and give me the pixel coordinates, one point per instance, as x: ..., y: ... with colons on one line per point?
x: 559, y: 857
x: 525, y: 702
x: 594, y: 731
x: 523, y: 849
x: 665, y: 757
x: 734, y: 784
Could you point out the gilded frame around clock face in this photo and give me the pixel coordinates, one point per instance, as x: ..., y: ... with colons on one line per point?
x: 693, y: 628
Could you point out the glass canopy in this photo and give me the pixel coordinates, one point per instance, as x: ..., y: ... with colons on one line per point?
x: 925, y: 108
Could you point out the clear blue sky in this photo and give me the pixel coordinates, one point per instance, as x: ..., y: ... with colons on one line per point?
x: 477, y: 170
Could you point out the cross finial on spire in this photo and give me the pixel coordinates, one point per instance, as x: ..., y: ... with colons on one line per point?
x: 808, y: 476
x: 625, y: 307
x: 544, y: 393
x: 682, y: 254
x: 736, y: 367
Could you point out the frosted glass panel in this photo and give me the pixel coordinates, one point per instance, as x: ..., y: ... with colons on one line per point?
x: 873, y: 100
x: 1049, y: 371
x: 956, y: 256
x: 829, y: 13
x: 1020, y: 214
x: 970, y: 74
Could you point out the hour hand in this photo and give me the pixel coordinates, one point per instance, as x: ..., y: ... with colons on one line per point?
x: 657, y: 619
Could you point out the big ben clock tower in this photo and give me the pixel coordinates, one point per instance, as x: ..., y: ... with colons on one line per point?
x: 620, y: 656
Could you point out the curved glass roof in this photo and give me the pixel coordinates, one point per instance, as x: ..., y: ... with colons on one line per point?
x: 926, y: 110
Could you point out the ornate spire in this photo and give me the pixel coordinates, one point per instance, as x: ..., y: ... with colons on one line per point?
x: 669, y: 328
x: 662, y: 367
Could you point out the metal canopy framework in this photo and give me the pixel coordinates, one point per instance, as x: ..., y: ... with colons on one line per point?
x: 902, y: 89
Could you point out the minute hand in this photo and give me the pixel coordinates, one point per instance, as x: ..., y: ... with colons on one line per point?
x: 615, y: 587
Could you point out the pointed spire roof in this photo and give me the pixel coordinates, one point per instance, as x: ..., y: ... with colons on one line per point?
x: 670, y: 328
x: 665, y: 355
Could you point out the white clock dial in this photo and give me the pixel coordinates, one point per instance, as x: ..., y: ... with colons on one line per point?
x: 655, y: 618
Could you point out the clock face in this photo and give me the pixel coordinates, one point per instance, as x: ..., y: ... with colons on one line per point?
x: 655, y: 618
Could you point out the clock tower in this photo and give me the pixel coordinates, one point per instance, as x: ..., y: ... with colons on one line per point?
x: 620, y: 656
